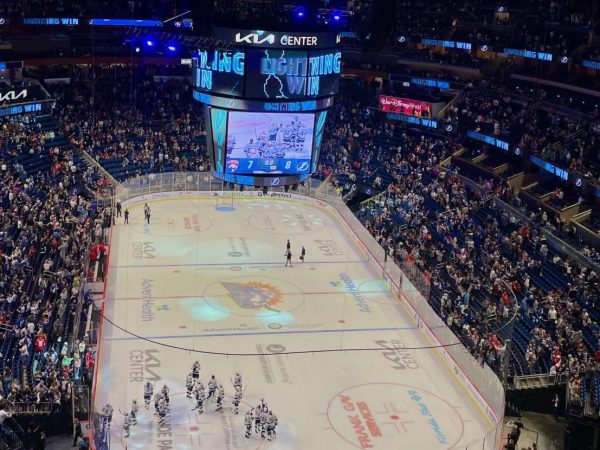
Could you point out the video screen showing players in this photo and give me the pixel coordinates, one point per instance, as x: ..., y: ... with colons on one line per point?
x: 261, y: 143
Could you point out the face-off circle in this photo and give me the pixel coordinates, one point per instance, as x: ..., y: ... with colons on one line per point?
x: 387, y: 415
x: 249, y: 296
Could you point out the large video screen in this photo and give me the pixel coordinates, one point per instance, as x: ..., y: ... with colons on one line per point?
x: 220, y: 71
x: 279, y: 74
x: 263, y: 143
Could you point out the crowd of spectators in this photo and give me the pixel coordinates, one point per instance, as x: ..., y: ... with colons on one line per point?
x: 476, y: 255
x: 133, y: 122
x: 48, y: 221
x: 136, y: 9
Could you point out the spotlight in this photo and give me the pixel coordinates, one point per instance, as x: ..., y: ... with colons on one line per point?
x: 336, y: 16
x: 150, y: 43
x: 137, y: 49
x: 300, y: 13
x: 171, y: 48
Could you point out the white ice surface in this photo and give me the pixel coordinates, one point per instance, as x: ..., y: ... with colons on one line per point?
x: 191, y: 282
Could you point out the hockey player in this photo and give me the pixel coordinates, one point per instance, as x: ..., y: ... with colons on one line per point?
x: 248, y: 423
x: 165, y: 393
x: 148, y: 392
x: 262, y: 406
x: 263, y: 423
x: 237, y: 398
x: 220, y: 397
x: 257, y: 415
x: 126, y: 423
x: 272, y: 422
x: 196, y: 370
x: 251, y: 149
x: 107, y: 413
x: 163, y: 408
x: 237, y: 381
x: 212, y: 387
x: 200, y: 396
x: 189, y: 385
x: 157, y: 398
x: 134, y: 410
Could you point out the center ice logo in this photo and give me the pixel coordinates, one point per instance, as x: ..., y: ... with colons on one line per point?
x: 253, y: 295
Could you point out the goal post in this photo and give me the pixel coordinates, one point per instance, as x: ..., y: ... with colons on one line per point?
x: 224, y: 201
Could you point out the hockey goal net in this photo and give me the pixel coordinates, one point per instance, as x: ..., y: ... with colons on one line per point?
x: 224, y: 201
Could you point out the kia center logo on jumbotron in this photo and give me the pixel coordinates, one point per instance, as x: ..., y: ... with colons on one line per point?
x: 262, y: 38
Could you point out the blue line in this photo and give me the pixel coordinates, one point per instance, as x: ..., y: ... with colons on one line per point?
x: 266, y: 333
x: 278, y: 263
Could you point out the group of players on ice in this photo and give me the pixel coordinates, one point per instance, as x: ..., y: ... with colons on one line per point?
x: 278, y: 141
x: 258, y: 420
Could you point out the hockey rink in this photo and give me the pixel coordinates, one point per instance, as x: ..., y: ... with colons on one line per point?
x: 208, y: 283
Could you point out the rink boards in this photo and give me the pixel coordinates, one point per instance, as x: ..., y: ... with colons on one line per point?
x: 324, y: 342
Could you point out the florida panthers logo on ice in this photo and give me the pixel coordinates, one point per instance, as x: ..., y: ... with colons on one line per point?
x: 253, y: 295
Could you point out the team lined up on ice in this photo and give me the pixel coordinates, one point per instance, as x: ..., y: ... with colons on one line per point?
x: 265, y: 422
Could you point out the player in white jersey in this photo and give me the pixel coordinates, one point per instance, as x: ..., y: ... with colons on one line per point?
x: 220, y: 397
x: 148, y: 392
x: 257, y: 415
x: 200, y: 397
x: 134, y: 410
x: 212, y: 387
x: 262, y: 406
x: 196, y: 370
x: 165, y: 393
x: 107, y: 414
x: 189, y: 385
x: 163, y: 409
x: 272, y: 422
x: 126, y: 423
x: 237, y: 381
x: 157, y: 398
x: 263, y: 424
x: 237, y: 398
x: 248, y: 423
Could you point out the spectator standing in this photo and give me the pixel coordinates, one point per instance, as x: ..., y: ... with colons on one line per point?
x: 126, y: 216
x: 77, y: 433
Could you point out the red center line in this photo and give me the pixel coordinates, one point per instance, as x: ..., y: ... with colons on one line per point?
x: 199, y: 296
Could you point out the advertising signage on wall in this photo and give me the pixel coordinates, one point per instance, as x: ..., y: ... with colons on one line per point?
x: 591, y: 64
x: 67, y: 21
x: 551, y: 168
x: 406, y: 106
x: 447, y: 44
x: 488, y: 139
x: 427, y: 123
x: 430, y: 83
x: 528, y: 54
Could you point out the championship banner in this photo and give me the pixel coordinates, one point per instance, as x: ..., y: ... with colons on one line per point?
x: 406, y: 106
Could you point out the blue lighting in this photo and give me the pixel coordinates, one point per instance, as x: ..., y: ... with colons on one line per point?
x: 137, y: 49
x: 171, y: 48
x: 336, y: 17
x: 150, y: 43
x: 300, y: 13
